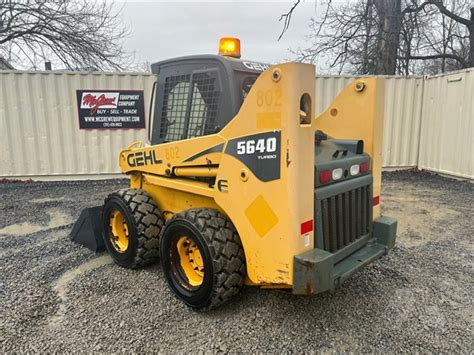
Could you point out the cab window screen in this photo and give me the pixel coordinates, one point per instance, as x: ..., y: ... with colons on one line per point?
x: 203, y: 106
x: 190, y: 106
x: 174, y: 107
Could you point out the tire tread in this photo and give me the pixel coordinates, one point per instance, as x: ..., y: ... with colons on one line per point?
x: 226, y: 250
x: 148, y: 221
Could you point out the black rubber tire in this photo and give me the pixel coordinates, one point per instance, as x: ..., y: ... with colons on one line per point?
x: 144, y: 222
x: 222, y: 254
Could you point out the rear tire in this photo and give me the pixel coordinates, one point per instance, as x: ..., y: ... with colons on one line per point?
x: 202, y: 258
x: 131, y: 225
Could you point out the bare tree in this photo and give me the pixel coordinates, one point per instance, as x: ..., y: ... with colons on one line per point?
x: 143, y: 67
x: 393, y: 36
x: 78, y: 34
x: 347, y: 36
x: 455, y: 42
x: 388, y: 34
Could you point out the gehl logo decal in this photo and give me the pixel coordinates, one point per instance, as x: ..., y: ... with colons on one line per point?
x: 143, y: 158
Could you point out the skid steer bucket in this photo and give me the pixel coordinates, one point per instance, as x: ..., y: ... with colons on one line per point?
x: 87, y: 230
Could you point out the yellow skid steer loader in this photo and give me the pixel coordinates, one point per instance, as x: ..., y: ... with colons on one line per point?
x: 242, y: 184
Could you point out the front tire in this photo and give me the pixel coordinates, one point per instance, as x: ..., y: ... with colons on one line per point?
x: 131, y: 226
x: 202, y: 258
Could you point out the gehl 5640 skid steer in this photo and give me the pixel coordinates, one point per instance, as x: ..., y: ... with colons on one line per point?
x: 243, y: 185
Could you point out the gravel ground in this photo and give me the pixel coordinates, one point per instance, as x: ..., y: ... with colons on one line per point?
x: 58, y: 296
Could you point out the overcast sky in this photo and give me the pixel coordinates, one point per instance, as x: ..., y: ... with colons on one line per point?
x: 161, y: 30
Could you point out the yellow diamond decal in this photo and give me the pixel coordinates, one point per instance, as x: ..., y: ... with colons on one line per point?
x: 261, y: 216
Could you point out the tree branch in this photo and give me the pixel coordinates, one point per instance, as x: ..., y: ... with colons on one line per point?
x: 287, y: 18
x: 436, y: 56
x: 441, y: 8
x: 449, y: 14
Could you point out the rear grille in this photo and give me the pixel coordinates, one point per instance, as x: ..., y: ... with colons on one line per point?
x: 346, y: 217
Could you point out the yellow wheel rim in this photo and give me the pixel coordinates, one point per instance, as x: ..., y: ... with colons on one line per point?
x: 119, y: 229
x: 190, y: 260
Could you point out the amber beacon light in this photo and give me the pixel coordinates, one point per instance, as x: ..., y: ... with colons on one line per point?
x: 230, y: 47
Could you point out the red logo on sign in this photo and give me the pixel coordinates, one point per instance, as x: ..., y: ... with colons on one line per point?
x: 96, y: 102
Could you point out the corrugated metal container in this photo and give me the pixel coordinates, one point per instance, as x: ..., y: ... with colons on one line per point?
x: 401, y: 133
x: 327, y: 88
x: 446, y: 143
x: 39, y: 124
x: 40, y: 136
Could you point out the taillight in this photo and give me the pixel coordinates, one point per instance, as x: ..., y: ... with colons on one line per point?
x: 364, y: 167
x: 325, y: 176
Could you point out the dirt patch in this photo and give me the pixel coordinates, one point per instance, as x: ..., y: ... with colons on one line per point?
x: 419, y: 218
x: 61, y: 285
x: 56, y: 219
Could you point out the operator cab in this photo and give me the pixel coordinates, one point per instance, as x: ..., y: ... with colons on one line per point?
x: 199, y: 95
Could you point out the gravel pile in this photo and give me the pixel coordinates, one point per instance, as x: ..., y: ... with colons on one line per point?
x: 59, y: 296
